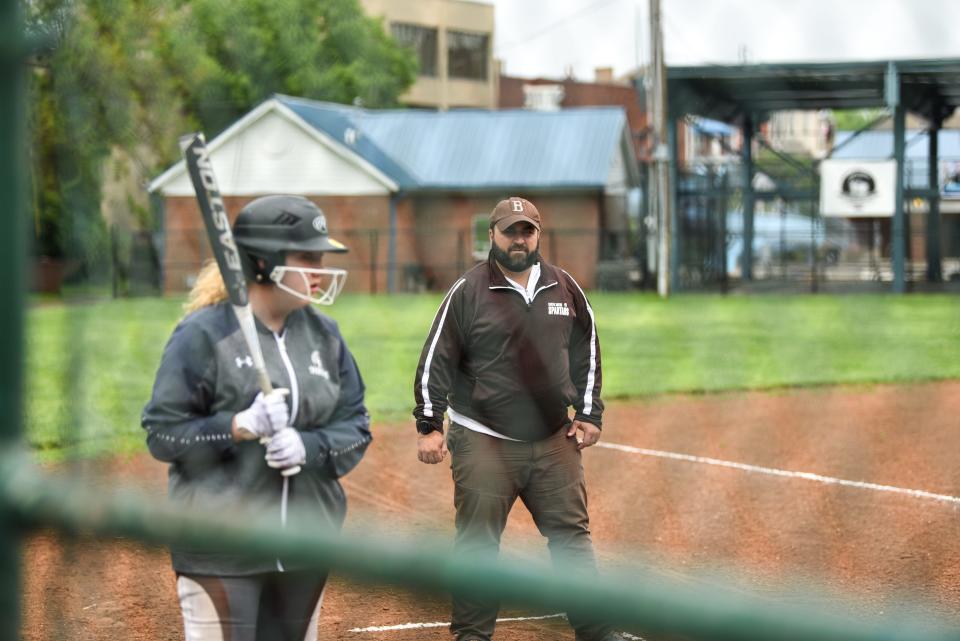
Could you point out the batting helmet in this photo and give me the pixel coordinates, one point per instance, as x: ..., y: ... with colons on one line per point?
x: 268, y: 227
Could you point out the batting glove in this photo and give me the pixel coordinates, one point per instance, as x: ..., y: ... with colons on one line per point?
x: 286, y: 449
x: 268, y: 414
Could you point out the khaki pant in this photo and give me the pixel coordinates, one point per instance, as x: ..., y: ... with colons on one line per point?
x: 489, y: 474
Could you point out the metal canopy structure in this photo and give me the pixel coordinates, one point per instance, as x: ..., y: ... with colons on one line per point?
x: 928, y: 88
x: 748, y: 94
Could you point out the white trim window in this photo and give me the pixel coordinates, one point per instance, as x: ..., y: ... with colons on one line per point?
x: 480, y: 238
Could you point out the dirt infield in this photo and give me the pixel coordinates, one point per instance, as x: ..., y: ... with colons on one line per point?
x: 668, y: 499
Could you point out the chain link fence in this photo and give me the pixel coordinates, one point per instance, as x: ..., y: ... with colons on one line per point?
x: 424, y: 260
x: 794, y: 247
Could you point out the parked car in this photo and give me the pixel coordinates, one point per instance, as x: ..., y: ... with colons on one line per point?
x: 786, y: 238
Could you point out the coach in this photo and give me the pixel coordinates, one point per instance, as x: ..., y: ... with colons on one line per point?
x: 513, y: 347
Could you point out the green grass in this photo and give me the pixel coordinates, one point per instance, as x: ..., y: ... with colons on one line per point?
x: 90, y: 367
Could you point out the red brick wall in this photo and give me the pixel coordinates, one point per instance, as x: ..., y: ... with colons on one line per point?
x: 571, y: 234
x: 434, y: 237
x: 350, y: 219
x: 444, y: 233
x: 360, y: 223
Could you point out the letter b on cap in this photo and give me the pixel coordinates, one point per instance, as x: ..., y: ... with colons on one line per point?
x: 517, y: 205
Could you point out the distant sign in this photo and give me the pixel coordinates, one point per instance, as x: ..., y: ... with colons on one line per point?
x: 950, y: 188
x: 857, y: 188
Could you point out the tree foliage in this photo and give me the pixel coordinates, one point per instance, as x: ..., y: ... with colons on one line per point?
x: 231, y: 54
x: 124, y: 78
x: 92, y: 90
x: 855, y: 119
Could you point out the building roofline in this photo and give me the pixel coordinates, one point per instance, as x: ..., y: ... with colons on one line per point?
x: 258, y: 112
x: 722, y: 70
x: 929, y: 87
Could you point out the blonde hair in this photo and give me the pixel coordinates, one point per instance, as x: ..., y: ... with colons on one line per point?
x: 208, y: 290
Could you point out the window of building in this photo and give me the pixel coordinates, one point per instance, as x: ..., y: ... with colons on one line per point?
x: 543, y: 97
x: 467, y: 54
x: 481, y: 239
x: 423, y: 41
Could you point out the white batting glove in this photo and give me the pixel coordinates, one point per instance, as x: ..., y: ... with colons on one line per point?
x: 268, y: 414
x: 286, y: 449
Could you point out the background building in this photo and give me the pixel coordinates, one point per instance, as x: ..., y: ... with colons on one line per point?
x: 410, y: 191
x: 453, y: 40
x: 808, y: 133
x: 546, y: 94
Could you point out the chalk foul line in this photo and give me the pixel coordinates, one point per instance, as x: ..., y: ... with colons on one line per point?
x: 438, y: 624
x: 756, y: 469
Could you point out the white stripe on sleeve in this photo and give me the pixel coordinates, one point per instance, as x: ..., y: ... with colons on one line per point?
x: 592, y: 372
x: 425, y: 379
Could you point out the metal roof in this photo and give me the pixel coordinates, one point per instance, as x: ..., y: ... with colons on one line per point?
x: 929, y: 88
x: 877, y: 145
x: 713, y: 127
x: 477, y: 149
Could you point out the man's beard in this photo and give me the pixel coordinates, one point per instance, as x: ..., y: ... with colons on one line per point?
x: 519, y: 264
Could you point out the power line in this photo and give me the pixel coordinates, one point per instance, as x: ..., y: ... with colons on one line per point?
x: 557, y: 23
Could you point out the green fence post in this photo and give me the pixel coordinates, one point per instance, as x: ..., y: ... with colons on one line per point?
x: 898, y: 232
x: 746, y: 269
x: 12, y: 159
x: 676, y: 228
x: 934, y: 258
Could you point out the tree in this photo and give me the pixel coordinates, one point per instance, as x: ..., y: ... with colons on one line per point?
x: 232, y: 54
x: 125, y: 78
x: 97, y: 90
x: 855, y: 119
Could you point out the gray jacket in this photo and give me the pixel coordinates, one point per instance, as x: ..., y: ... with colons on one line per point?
x: 206, y: 376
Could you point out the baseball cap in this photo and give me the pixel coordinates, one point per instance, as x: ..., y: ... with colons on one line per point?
x: 512, y: 210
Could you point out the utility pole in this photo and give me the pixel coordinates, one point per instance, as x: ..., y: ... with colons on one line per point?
x: 660, y: 197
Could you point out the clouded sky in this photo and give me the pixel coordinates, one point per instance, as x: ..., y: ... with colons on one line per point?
x: 544, y: 37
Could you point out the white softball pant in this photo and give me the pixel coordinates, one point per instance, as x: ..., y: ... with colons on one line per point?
x: 264, y: 607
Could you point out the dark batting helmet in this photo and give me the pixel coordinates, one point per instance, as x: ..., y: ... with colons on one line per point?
x: 269, y: 227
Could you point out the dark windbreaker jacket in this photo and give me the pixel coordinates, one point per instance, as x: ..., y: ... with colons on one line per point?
x: 514, y: 367
x: 206, y: 376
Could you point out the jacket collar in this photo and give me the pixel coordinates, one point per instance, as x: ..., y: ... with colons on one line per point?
x: 291, y: 318
x: 548, y: 274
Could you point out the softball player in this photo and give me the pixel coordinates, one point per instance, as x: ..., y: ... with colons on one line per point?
x: 511, y: 349
x: 206, y: 418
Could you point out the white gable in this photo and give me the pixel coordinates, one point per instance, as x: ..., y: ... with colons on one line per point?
x: 273, y: 151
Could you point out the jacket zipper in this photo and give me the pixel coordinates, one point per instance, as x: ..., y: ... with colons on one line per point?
x: 294, y: 388
x: 294, y: 405
x: 532, y: 298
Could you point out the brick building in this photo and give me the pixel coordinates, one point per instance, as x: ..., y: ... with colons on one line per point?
x: 546, y: 94
x: 409, y: 191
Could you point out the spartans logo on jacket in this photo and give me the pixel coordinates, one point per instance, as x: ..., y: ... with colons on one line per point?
x: 558, y: 309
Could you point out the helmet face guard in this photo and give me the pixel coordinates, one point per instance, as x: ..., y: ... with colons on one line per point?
x: 330, y: 287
